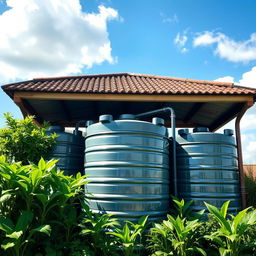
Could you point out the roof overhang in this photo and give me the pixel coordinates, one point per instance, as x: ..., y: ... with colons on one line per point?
x: 67, y: 109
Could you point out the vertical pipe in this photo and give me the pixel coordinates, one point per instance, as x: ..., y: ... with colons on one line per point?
x: 239, y: 153
x: 172, y: 116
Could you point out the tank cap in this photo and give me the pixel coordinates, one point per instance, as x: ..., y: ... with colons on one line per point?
x: 228, y: 132
x: 106, y: 118
x: 158, y: 121
x: 56, y: 128
x: 201, y: 129
x: 183, y: 132
x: 127, y: 117
x: 88, y: 123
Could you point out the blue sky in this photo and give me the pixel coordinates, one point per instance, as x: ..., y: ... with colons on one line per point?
x: 208, y: 40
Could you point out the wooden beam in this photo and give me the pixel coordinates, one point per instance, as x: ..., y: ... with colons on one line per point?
x: 134, y: 97
x: 193, y: 111
x: 27, y: 110
x: 18, y: 101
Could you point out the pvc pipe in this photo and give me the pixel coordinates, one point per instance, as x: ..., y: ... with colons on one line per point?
x: 173, y: 124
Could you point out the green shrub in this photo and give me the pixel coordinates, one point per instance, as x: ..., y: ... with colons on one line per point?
x: 39, y: 211
x: 231, y: 236
x: 94, y: 229
x: 21, y: 140
x: 180, y: 235
x: 129, y: 238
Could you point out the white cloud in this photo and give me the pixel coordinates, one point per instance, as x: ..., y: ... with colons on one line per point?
x: 180, y: 41
x: 205, y: 39
x: 248, y: 121
x: 172, y: 19
x: 227, y: 48
x: 249, y: 78
x: 52, y: 37
x: 228, y: 79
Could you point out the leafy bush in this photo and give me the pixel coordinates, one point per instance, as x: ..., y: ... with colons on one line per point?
x: 22, y: 140
x: 129, y: 237
x: 231, y: 235
x: 94, y: 229
x: 39, y: 211
x: 177, y: 235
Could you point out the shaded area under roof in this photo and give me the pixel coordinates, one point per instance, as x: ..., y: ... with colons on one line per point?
x: 66, y: 100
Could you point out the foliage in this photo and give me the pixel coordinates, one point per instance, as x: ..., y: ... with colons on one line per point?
x: 177, y: 236
x: 181, y: 208
x: 44, y: 212
x: 38, y: 209
x: 22, y: 140
x: 129, y: 237
x: 250, y: 186
x: 94, y: 228
x: 230, y: 236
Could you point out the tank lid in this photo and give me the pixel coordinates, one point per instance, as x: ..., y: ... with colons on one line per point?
x: 183, y: 132
x: 201, y: 129
x: 228, y: 132
x: 127, y: 117
x: 56, y: 128
x: 158, y: 121
x: 106, y: 118
x: 88, y: 123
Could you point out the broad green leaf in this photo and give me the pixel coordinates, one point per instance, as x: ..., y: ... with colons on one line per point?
x: 35, y: 175
x: 7, y: 245
x: 5, y: 225
x: 15, y: 235
x: 51, y: 163
x: 23, y: 185
x: 46, y: 229
x: 25, y: 178
x: 224, y: 251
x: 41, y: 164
x: 5, y: 198
x: 43, y: 198
x: 237, y: 220
x: 116, y: 234
x: 224, y: 209
x: 24, y: 220
x: 213, y: 210
x: 127, y: 244
x: 251, y: 217
x: 142, y: 220
x: 200, y: 250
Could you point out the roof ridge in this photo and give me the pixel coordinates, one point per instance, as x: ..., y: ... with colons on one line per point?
x: 138, y: 74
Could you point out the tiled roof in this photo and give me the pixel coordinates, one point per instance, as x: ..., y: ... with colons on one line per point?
x: 127, y: 83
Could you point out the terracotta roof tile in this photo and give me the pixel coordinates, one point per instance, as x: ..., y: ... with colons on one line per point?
x: 127, y: 83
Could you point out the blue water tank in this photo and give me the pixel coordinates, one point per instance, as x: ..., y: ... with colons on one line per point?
x: 69, y: 149
x: 208, y: 168
x: 128, y: 166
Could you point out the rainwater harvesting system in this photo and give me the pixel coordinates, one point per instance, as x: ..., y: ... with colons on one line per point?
x: 133, y: 166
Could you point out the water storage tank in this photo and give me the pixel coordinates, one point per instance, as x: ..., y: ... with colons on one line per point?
x: 208, y: 168
x: 127, y: 164
x: 69, y: 149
